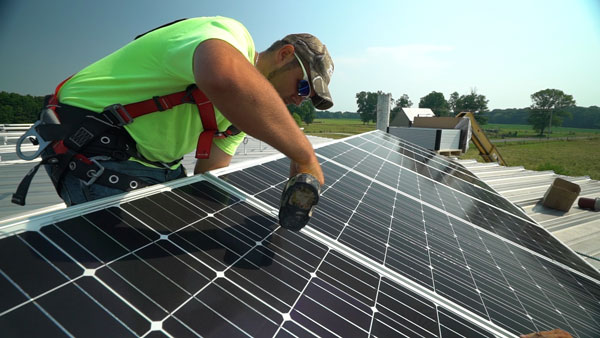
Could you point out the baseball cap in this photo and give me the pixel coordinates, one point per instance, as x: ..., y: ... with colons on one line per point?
x: 313, y: 51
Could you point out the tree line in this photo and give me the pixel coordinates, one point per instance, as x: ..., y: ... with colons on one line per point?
x: 577, y: 117
x: 473, y: 102
x: 549, y: 107
x: 16, y: 108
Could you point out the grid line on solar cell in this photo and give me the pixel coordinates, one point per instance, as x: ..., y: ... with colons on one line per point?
x: 428, y: 158
x: 578, y: 263
x: 70, y: 281
x: 417, y: 150
x: 502, y: 272
x: 161, y: 239
x: 317, y: 209
x: 469, y: 186
x: 239, y: 233
x: 407, y: 309
x: 395, y: 276
x: 31, y: 299
x: 481, y: 301
x: 444, y: 215
x: 234, y: 263
x: 495, y: 200
x: 549, y: 299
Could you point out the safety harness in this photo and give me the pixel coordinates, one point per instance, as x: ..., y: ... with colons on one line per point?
x: 70, y: 138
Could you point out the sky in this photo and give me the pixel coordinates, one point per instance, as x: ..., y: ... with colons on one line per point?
x: 505, y: 50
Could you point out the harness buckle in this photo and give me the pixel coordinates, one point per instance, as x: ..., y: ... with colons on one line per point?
x: 32, y: 132
x: 94, y: 174
x: 189, y: 94
x: 120, y: 113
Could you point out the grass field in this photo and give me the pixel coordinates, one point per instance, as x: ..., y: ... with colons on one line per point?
x: 337, y: 128
x: 573, y: 157
x: 496, y: 131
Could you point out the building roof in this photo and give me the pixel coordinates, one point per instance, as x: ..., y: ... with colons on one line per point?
x: 411, y: 113
x: 578, y: 228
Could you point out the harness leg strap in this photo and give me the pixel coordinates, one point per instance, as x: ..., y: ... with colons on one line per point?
x: 204, y: 144
x: 19, y: 196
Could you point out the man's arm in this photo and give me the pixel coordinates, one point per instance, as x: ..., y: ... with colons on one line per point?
x: 249, y: 101
x: 218, y: 159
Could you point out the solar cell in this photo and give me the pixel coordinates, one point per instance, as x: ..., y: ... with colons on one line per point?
x: 125, y: 271
x: 420, y: 239
x: 403, y: 242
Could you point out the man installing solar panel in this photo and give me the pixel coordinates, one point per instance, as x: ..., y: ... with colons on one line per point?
x: 127, y: 120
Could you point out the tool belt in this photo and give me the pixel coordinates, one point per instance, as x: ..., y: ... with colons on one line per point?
x: 70, y: 138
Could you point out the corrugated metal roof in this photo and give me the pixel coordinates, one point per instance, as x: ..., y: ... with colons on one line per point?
x: 578, y: 228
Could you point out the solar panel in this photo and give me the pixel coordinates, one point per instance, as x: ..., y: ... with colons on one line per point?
x: 387, y: 253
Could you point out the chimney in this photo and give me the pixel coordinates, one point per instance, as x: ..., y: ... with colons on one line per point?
x: 383, y: 111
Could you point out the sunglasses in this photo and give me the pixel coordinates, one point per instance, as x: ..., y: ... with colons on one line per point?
x: 304, y: 84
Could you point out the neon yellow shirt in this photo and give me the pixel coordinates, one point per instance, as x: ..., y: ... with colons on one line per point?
x: 159, y: 63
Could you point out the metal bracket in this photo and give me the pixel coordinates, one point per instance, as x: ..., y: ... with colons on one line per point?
x: 41, y: 142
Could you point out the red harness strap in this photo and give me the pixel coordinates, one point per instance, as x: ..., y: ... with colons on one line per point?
x: 209, y: 124
x: 160, y: 103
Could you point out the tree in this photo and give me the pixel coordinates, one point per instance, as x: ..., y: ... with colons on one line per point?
x: 17, y: 108
x: 305, y: 110
x: 367, y: 106
x: 474, y: 103
x: 402, y: 102
x: 548, y: 108
x: 308, y: 111
x: 436, y: 102
x: 452, y: 102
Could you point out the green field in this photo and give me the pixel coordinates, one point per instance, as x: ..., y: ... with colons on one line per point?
x: 578, y: 156
x: 498, y: 131
x: 572, y: 158
x: 337, y: 128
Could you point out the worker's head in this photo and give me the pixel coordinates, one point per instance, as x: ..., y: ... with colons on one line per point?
x: 299, y: 67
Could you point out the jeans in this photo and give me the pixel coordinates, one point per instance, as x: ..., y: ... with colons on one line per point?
x: 74, y: 191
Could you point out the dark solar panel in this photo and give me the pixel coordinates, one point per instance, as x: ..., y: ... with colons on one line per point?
x: 394, y: 248
x: 442, y: 249
x: 229, y: 271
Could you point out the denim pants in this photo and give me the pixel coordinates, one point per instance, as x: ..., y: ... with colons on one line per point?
x: 74, y: 191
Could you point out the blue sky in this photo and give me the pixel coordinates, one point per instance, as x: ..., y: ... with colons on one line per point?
x: 506, y: 50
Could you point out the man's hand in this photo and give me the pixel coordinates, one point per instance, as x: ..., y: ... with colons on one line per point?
x: 556, y: 333
x: 313, y: 168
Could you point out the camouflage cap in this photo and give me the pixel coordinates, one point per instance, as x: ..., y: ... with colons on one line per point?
x: 311, y: 50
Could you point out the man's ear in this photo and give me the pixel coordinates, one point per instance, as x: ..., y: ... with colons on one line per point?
x: 285, y: 53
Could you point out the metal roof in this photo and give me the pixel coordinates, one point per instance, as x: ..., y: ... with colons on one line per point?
x: 578, y: 228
